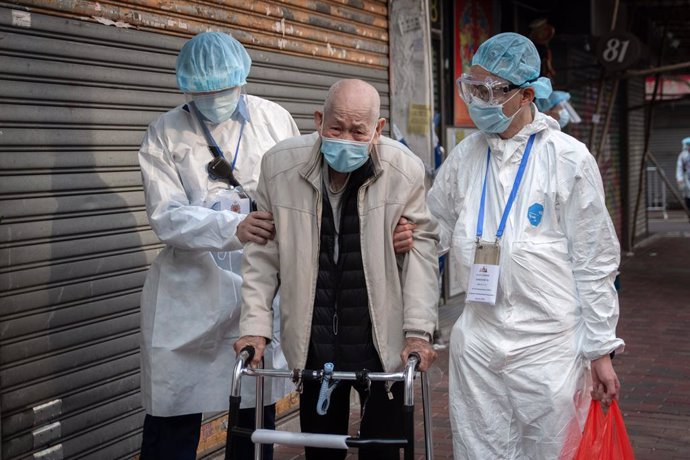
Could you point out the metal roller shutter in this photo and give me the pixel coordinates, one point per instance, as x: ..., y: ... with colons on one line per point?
x: 75, y: 100
x: 354, y: 32
x: 583, y: 68
x: 635, y: 149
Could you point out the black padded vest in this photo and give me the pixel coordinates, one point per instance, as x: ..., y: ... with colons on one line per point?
x: 341, y: 330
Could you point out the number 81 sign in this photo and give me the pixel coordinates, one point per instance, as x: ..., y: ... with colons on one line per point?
x: 618, y: 50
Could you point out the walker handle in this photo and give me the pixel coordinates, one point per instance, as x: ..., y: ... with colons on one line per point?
x: 247, y: 354
x: 414, y: 359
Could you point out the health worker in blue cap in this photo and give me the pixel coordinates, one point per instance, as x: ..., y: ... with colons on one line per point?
x: 522, y: 206
x: 200, y: 164
x: 558, y: 107
x: 683, y: 171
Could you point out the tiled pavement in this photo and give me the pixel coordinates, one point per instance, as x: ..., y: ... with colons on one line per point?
x: 654, y: 370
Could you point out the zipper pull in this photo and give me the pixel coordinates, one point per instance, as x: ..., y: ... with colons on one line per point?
x: 335, y: 323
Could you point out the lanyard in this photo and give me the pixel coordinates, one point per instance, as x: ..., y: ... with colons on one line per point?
x: 216, y: 151
x: 511, y: 197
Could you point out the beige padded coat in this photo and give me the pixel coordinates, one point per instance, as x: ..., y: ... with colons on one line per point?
x: 403, y: 290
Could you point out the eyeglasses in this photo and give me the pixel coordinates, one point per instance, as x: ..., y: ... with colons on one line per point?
x: 220, y: 169
x: 488, y: 90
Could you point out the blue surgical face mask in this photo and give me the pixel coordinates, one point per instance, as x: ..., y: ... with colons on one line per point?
x: 490, y: 118
x: 218, y: 107
x: 563, y: 118
x: 344, y: 155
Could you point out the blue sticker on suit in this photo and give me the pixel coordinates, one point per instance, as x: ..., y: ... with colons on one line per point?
x: 535, y: 213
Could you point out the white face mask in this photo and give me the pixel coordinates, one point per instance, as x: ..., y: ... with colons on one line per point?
x: 218, y: 107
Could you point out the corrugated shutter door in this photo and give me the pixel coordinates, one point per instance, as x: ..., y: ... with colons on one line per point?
x: 351, y: 32
x: 75, y: 245
x: 583, y: 68
x: 635, y: 148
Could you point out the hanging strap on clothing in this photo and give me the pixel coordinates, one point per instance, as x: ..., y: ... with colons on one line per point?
x: 511, y: 197
x: 327, y: 387
x: 480, y: 219
x: 213, y: 146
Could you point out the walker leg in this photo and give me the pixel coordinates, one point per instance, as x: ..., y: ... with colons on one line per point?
x: 233, y: 417
x: 244, y: 357
x: 259, y: 420
x: 408, y: 404
x: 428, y: 444
x: 408, y: 431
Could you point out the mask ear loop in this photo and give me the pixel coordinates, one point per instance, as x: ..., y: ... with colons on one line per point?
x: 373, y: 135
x: 504, y: 102
x: 512, y: 117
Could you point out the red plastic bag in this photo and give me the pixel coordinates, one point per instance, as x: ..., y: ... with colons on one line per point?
x: 616, y: 444
x: 604, y: 438
x: 592, y: 436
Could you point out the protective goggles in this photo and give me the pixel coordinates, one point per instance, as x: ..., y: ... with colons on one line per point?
x: 488, y: 90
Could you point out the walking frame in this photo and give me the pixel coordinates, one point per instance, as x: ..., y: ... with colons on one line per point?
x: 333, y: 441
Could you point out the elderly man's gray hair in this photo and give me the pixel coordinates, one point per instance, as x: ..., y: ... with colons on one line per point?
x: 361, y: 88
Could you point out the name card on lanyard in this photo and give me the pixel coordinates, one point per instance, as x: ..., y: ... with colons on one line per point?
x: 485, y: 271
x: 231, y: 200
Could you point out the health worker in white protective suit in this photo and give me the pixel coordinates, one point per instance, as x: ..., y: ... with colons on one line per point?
x: 558, y: 107
x: 190, y: 303
x: 522, y: 206
x: 683, y: 171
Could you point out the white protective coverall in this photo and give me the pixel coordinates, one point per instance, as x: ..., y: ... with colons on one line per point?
x: 683, y: 172
x: 518, y: 374
x: 191, y: 298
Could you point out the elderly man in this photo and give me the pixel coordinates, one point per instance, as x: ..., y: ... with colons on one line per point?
x: 522, y: 205
x: 336, y: 196
x: 190, y: 301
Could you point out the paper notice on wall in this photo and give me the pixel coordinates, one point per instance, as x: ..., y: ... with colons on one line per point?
x: 418, y: 119
x: 21, y: 18
x: 409, y: 23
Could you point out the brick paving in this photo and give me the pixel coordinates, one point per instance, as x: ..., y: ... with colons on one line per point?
x: 654, y: 370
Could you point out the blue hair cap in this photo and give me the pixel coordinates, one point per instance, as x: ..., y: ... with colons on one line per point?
x: 513, y: 57
x: 686, y: 141
x: 548, y: 103
x: 212, y: 61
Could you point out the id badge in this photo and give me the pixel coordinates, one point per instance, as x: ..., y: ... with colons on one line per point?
x: 235, y: 202
x: 483, y: 283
